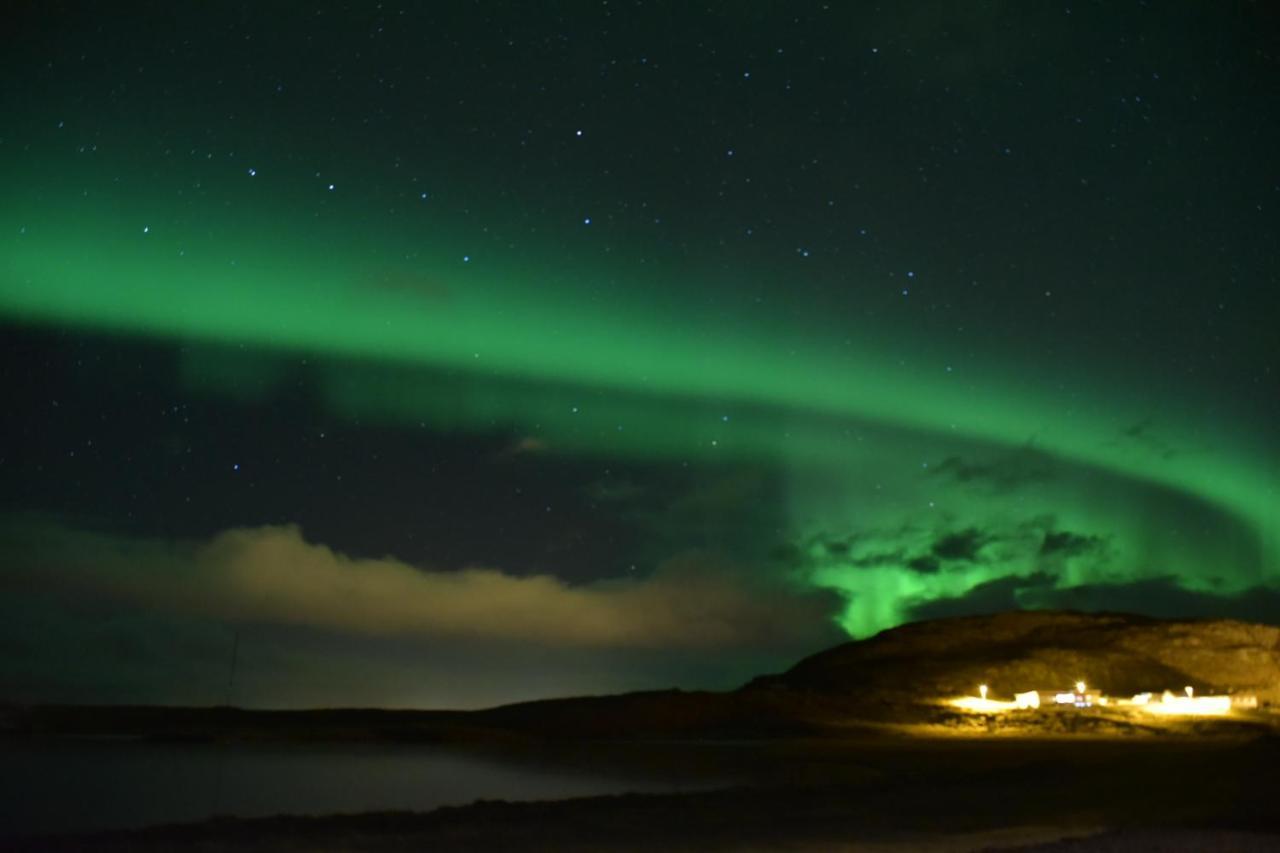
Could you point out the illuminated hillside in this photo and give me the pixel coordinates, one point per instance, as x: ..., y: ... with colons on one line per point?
x: 1012, y: 652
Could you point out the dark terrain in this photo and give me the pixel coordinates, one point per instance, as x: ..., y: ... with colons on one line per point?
x: 851, y: 745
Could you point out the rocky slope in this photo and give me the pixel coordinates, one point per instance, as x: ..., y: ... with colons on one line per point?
x: 1118, y: 654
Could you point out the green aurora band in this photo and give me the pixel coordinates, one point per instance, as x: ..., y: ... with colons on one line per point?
x: 598, y: 363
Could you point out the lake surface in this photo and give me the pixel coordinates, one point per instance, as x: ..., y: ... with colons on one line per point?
x: 84, y: 785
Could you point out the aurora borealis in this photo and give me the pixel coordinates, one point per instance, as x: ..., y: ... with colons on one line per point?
x: 521, y: 352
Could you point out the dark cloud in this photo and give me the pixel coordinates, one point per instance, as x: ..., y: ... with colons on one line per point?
x: 1068, y: 544
x: 925, y: 564
x: 1007, y: 472
x: 788, y: 556
x: 1143, y: 434
x: 824, y: 550
x: 993, y: 596
x: 961, y: 545
x: 1160, y: 597
x: 824, y: 544
x: 876, y: 559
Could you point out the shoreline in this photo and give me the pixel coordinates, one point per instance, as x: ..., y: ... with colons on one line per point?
x: 891, y: 794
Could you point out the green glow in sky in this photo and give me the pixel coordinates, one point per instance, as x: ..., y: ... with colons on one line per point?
x: 592, y: 368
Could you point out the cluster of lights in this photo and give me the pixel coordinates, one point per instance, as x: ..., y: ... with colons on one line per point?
x: 1169, y: 703
x: 1190, y: 704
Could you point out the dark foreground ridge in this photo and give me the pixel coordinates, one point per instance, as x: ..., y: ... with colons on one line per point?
x: 855, y: 745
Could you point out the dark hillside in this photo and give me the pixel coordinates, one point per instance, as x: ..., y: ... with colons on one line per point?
x: 1119, y: 654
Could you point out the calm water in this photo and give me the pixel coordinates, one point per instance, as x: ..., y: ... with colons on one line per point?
x: 67, y: 786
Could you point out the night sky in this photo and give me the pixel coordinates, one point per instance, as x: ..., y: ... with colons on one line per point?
x: 448, y: 354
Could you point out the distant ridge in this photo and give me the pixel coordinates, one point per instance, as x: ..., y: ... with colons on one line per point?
x: 900, y: 677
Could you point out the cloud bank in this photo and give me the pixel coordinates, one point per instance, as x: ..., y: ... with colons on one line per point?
x: 274, y: 575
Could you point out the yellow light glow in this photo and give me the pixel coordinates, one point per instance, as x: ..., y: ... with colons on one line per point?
x: 983, y: 706
x: 982, y: 690
x: 1191, y: 694
x: 1199, y: 706
x: 1079, y: 686
x: 1030, y: 699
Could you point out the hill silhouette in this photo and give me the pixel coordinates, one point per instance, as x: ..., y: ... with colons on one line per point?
x: 900, y: 677
x: 1118, y: 653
